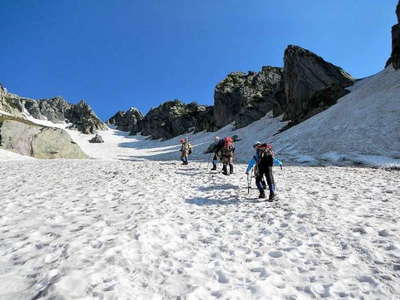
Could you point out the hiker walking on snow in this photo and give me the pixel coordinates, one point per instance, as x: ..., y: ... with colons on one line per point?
x: 226, y: 154
x: 215, y: 150
x: 186, y: 150
x: 263, y: 161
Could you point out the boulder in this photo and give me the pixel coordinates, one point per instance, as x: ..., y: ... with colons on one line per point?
x: 173, y: 118
x: 310, y: 83
x: 246, y: 97
x: 96, y: 139
x: 27, y: 138
x: 129, y: 120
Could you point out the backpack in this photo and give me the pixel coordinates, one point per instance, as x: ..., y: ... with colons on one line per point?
x: 228, y: 147
x: 265, y: 157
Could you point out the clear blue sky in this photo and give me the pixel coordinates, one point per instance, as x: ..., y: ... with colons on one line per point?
x: 120, y: 53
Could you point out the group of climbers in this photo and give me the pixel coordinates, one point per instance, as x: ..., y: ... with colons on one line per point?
x: 261, y: 163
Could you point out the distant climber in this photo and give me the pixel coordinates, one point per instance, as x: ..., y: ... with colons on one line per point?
x: 214, y: 149
x: 186, y: 150
x: 226, y: 153
x: 223, y: 149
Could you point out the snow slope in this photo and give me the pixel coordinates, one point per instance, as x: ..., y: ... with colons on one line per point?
x: 362, y: 128
x: 365, y: 123
x: 94, y: 229
x: 135, y: 224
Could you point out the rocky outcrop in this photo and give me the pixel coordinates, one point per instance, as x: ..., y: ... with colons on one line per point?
x: 27, y: 138
x: 56, y: 110
x: 82, y: 118
x: 395, y: 57
x: 173, y: 118
x: 97, y: 139
x: 311, y: 84
x: 129, y: 120
x: 245, y: 98
x: 10, y: 103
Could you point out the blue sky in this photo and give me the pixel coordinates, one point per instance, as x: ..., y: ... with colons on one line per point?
x: 120, y: 53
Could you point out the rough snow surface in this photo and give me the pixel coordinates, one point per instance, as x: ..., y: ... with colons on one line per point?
x: 96, y: 229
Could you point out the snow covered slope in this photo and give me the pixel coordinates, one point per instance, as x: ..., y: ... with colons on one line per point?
x: 94, y: 229
x: 365, y: 123
x: 362, y: 128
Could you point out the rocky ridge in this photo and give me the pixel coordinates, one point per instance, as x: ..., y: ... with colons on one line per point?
x: 174, y: 117
x: 305, y: 86
x: 129, y: 120
x: 245, y: 98
x: 57, y: 110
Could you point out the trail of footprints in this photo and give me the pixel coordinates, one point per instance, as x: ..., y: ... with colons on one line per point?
x: 112, y: 229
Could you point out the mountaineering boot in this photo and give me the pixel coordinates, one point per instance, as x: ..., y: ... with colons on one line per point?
x: 262, y: 195
x: 264, y: 184
x: 271, y: 197
x: 224, y: 170
x: 231, y: 168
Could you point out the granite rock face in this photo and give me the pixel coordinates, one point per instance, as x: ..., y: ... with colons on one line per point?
x: 26, y: 138
x: 56, y: 110
x: 10, y: 103
x: 395, y: 57
x: 311, y: 83
x: 129, y: 120
x: 84, y: 119
x: 245, y: 98
x: 173, y: 118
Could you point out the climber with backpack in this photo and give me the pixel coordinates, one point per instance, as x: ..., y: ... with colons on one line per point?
x: 215, y: 151
x: 227, y: 148
x: 263, y: 162
x: 186, y: 150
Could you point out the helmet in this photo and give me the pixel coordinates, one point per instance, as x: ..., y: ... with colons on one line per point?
x: 182, y: 141
x: 216, y: 138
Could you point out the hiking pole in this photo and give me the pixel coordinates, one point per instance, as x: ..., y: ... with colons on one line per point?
x: 248, y: 183
x: 209, y: 159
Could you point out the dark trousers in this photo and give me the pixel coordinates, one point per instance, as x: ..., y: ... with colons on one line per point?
x: 270, y: 180
x: 215, y: 160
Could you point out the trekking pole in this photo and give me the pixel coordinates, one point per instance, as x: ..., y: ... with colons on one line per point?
x: 248, y: 183
x: 209, y: 160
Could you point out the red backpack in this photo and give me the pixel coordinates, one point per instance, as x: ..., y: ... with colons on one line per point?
x: 228, y: 143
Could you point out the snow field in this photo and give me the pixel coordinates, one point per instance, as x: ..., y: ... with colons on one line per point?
x: 95, y: 229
